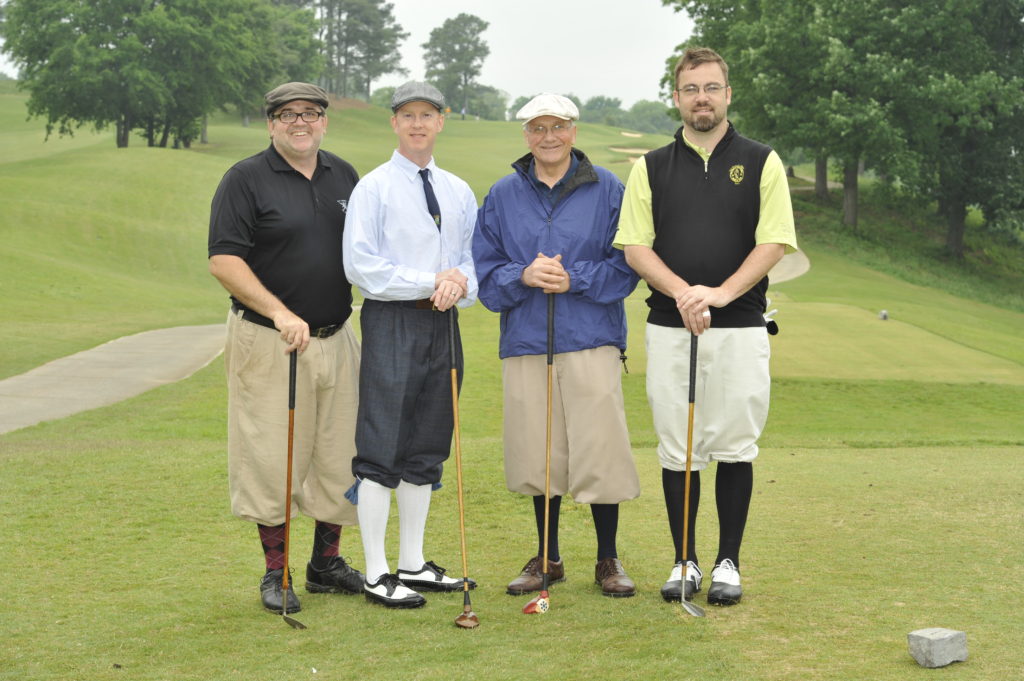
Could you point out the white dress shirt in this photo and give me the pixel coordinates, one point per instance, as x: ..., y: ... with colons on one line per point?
x: 392, y: 249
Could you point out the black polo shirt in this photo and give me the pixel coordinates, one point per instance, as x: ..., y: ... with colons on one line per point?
x: 288, y: 230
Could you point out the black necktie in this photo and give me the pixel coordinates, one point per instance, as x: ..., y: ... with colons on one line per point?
x: 435, y: 210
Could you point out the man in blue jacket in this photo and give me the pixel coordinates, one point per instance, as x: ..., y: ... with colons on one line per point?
x: 547, y: 229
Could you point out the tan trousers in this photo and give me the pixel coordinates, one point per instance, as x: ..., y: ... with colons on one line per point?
x: 591, y: 458
x: 326, y: 400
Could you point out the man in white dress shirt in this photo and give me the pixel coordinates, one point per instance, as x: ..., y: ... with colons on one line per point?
x: 407, y: 247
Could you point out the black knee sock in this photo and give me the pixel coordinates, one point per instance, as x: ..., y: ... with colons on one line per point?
x: 325, y: 543
x: 734, y: 483
x: 606, y: 523
x: 538, y: 511
x: 272, y: 538
x: 674, y: 485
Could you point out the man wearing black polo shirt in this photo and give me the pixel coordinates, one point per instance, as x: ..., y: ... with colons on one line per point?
x: 275, y: 245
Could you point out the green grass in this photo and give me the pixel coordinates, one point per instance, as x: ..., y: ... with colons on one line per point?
x: 886, y: 495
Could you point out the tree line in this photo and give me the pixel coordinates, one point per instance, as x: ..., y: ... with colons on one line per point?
x: 159, y: 68
x: 929, y: 95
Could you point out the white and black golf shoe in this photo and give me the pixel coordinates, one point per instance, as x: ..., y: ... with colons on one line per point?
x: 725, y: 584
x: 391, y: 593
x: 671, y: 590
x: 432, y: 577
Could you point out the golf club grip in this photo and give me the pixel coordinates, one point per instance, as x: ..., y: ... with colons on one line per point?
x: 551, y: 328
x: 293, y: 362
x: 693, y: 366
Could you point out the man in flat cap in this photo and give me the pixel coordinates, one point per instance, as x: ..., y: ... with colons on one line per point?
x: 407, y: 248
x: 275, y: 238
x: 545, y: 233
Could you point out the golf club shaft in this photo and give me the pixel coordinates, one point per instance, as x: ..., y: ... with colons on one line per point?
x: 458, y: 451
x: 292, y: 370
x: 689, y: 457
x: 547, y: 436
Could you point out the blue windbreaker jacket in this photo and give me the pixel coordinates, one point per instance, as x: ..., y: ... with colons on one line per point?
x: 515, y: 223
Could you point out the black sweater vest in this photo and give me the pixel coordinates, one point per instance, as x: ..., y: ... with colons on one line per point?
x: 704, y: 222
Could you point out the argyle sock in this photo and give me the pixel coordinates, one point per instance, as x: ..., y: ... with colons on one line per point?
x: 413, y: 506
x: 373, y: 509
x: 272, y: 538
x: 734, y: 483
x: 674, y: 485
x: 538, y: 511
x: 606, y: 523
x: 325, y: 544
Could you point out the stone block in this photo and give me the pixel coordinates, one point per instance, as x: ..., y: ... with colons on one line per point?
x: 937, y: 647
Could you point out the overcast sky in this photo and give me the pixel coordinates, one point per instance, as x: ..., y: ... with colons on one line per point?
x: 586, y: 47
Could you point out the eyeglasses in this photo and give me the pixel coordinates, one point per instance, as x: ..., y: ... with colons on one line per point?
x: 542, y: 130
x: 711, y: 90
x: 289, y: 117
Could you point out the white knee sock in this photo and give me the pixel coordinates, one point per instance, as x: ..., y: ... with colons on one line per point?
x: 413, y: 505
x: 373, y: 509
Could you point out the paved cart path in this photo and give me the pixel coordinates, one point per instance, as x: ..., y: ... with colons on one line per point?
x: 131, y: 365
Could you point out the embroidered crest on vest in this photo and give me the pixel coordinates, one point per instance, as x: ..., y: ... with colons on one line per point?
x: 736, y: 174
x: 344, y: 205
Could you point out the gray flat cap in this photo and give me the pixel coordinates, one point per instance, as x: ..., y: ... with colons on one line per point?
x: 289, y: 92
x: 417, y: 92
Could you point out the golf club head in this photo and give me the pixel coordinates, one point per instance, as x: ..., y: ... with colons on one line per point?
x: 292, y: 622
x: 692, y: 608
x: 467, y: 620
x: 537, y: 606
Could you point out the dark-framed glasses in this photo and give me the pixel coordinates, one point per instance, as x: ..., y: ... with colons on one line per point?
x: 292, y: 116
x: 711, y: 90
x: 542, y: 130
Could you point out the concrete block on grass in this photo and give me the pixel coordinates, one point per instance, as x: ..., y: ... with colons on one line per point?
x: 937, y: 647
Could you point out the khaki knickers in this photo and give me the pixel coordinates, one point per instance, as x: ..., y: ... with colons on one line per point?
x: 326, y: 400
x: 591, y: 458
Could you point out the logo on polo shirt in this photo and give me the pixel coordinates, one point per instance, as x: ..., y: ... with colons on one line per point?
x: 736, y: 174
x: 344, y: 205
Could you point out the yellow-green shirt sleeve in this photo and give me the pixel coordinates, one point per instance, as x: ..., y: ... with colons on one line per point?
x: 775, y: 224
x: 636, y: 218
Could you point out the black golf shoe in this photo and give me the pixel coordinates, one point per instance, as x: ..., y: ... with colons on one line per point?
x: 432, y: 577
x: 270, y: 593
x: 725, y: 584
x: 391, y: 593
x: 337, y: 578
x: 671, y: 590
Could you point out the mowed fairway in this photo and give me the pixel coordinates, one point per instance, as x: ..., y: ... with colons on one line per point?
x: 887, y: 494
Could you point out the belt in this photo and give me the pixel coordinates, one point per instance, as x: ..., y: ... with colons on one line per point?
x: 422, y: 304
x: 255, y: 318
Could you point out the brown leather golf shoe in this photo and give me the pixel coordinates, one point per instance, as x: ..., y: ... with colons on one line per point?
x: 531, y: 578
x: 613, y: 579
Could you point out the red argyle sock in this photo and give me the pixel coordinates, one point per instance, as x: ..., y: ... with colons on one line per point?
x: 272, y: 537
x: 325, y: 543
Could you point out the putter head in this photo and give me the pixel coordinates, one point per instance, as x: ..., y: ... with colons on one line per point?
x: 467, y: 620
x: 537, y: 606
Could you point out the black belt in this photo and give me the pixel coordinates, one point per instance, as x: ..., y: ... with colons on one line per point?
x: 255, y: 318
x: 422, y: 304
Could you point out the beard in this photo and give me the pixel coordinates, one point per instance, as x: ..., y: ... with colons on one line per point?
x: 703, y: 122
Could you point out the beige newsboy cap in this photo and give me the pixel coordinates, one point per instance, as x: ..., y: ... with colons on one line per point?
x: 548, y: 104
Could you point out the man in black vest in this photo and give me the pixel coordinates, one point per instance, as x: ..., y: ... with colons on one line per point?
x: 703, y: 220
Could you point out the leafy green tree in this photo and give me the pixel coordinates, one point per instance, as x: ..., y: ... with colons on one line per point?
x: 360, y: 41
x: 158, y: 67
x: 653, y: 117
x: 488, y: 103
x: 382, y: 96
x: 454, y: 55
